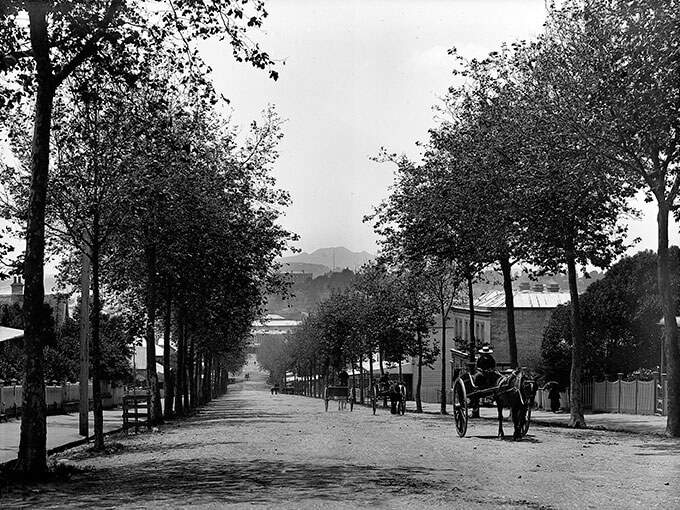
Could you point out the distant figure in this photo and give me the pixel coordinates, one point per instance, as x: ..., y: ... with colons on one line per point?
x: 553, y: 396
x: 247, y: 377
x: 275, y: 389
x: 344, y: 377
x: 384, y: 382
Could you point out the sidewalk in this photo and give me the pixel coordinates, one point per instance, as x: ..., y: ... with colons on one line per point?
x: 62, y: 431
x: 634, y: 423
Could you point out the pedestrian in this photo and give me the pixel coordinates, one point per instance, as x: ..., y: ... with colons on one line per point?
x: 554, y: 396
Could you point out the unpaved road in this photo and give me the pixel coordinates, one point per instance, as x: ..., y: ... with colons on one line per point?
x: 250, y: 449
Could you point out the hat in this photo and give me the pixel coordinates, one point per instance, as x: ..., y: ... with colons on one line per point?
x: 486, y: 349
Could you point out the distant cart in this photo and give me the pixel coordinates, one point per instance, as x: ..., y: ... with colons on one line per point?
x: 343, y: 394
x: 395, y: 391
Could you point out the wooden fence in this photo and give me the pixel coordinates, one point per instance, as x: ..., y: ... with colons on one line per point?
x: 618, y: 396
x: 59, y: 398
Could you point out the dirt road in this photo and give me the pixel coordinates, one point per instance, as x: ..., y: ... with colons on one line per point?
x: 250, y: 449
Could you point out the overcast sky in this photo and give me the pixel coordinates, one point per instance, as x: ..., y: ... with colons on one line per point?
x: 360, y: 75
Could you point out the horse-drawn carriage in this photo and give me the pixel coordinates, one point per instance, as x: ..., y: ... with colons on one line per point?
x: 513, y: 390
x: 343, y: 394
x: 395, y: 391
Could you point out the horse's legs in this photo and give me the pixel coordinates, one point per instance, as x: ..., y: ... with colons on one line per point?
x: 518, y: 410
x: 499, y: 406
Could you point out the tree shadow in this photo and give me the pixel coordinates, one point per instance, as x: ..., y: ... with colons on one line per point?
x: 220, y: 481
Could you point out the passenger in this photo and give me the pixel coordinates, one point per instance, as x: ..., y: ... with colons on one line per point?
x: 344, y: 377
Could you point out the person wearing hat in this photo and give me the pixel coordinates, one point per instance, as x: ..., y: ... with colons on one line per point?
x: 486, y: 375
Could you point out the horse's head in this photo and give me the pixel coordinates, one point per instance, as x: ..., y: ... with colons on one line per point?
x: 529, y: 388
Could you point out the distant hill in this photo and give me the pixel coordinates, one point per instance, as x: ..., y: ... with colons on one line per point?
x: 333, y: 258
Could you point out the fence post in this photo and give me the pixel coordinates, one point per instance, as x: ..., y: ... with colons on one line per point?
x: 658, y: 399
x: 619, y: 379
x: 637, y: 378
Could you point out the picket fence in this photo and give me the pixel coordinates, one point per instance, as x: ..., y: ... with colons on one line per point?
x: 618, y: 396
x: 59, y: 398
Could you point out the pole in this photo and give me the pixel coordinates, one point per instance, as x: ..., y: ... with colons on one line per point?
x: 84, y: 405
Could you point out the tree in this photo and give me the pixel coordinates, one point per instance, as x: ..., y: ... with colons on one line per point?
x: 59, y: 37
x: 623, y: 57
x: 620, y: 320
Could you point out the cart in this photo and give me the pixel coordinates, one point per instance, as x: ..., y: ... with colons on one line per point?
x: 465, y: 395
x: 378, y: 393
x: 343, y: 394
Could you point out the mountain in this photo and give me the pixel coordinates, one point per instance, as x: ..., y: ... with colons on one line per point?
x: 333, y: 258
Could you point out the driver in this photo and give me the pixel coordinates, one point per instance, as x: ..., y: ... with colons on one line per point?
x: 384, y: 382
x: 486, y: 375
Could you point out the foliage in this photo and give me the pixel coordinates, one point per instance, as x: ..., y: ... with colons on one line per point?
x: 620, y: 320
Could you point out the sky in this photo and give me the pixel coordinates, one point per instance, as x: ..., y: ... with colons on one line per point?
x: 360, y: 75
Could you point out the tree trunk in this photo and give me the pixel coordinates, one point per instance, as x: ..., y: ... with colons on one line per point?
x: 671, y: 348
x: 156, y: 414
x: 419, y: 403
x: 506, y: 268
x: 577, y: 420
x: 442, y: 390
x: 181, y: 369
x: 96, y: 358
x: 471, y: 309
x: 193, y: 371
x: 169, y: 379
x: 84, y: 404
x: 32, y: 457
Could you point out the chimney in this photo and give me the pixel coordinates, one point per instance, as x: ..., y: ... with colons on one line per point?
x: 537, y: 287
x: 524, y: 286
x: 17, y: 287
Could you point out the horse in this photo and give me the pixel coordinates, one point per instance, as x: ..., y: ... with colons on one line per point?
x: 397, y: 395
x: 516, y: 392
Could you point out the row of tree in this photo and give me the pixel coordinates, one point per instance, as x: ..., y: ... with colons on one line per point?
x: 139, y: 178
x: 386, y: 314
x: 537, y: 153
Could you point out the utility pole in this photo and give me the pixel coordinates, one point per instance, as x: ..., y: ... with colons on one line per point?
x: 84, y: 407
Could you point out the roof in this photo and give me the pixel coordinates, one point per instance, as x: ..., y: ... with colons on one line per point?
x: 523, y: 299
x: 7, y: 334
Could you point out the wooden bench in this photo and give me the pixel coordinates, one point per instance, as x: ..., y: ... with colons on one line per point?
x: 136, y: 410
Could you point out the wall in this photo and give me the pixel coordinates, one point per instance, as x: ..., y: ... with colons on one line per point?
x: 529, y: 326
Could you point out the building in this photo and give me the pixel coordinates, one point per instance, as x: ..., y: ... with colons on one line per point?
x: 58, y: 302
x: 299, y: 277
x: 271, y: 326
x: 533, y: 304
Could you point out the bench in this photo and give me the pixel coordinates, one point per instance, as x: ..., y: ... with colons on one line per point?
x: 136, y: 410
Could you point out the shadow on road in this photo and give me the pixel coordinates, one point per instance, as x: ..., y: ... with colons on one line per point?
x: 201, y: 482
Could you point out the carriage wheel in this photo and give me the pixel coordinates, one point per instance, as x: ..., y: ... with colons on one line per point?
x: 325, y: 397
x: 374, y: 399
x: 460, y: 407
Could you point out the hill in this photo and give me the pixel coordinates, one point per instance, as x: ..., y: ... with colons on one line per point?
x: 333, y: 258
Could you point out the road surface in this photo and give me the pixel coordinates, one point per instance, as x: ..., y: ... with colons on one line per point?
x: 250, y: 449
